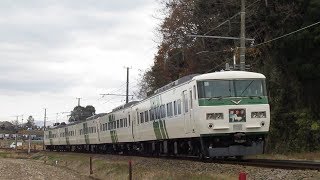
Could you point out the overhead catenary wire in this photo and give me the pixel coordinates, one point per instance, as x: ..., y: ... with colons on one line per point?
x: 237, y: 14
x: 288, y: 34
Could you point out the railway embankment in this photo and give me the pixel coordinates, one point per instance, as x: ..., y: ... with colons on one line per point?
x: 28, y: 169
x: 116, y: 167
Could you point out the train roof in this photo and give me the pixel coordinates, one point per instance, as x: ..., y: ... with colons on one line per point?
x: 230, y: 75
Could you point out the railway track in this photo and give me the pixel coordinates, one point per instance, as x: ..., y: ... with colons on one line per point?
x: 269, y: 163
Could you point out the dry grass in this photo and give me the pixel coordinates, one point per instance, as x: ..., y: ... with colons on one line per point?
x: 118, y: 168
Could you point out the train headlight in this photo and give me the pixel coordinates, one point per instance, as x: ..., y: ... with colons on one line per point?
x: 260, y: 114
x: 214, y: 116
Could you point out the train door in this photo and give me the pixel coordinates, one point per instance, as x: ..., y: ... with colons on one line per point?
x: 134, y: 126
x: 191, y: 121
x: 186, y: 112
x: 98, y: 126
x: 131, y: 126
x: 138, y: 125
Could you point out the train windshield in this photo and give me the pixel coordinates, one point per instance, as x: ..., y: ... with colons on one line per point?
x: 231, y: 88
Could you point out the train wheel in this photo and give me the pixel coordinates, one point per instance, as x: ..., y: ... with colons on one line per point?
x: 201, y: 156
x: 239, y: 158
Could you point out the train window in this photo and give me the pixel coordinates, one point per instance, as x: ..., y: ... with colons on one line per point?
x: 118, y: 124
x: 175, y: 107
x: 155, y: 113
x: 191, y: 99
x: 151, y: 114
x: 158, y: 112
x: 121, y: 123
x: 129, y: 120
x: 125, y: 122
x: 185, y: 104
x: 141, y: 117
x: 179, y: 106
x: 169, y: 109
x: 163, y: 111
x: 146, y: 117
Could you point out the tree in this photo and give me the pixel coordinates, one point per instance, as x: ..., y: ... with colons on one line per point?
x: 30, y: 122
x: 290, y: 64
x: 80, y: 113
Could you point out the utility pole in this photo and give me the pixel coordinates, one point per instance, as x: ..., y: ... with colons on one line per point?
x: 44, y: 127
x: 127, y: 92
x: 79, y: 101
x: 29, y: 137
x: 242, y: 37
x: 16, y: 138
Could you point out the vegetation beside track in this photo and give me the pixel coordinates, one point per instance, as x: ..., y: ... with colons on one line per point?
x: 106, y: 166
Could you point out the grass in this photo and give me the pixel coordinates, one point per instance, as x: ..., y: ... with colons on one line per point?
x: 114, y: 167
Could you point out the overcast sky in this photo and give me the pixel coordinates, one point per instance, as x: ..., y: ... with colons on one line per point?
x: 52, y: 52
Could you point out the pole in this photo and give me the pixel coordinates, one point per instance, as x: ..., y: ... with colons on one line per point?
x: 44, y: 127
x: 78, y: 101
x: 91, y: 172
x: 242, y: 37
x: 130, y: 170
x: 29, y: 145
x: 16, y: 139
x: 127, y: 92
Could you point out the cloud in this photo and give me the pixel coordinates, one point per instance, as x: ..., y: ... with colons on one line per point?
x: 53, y: 51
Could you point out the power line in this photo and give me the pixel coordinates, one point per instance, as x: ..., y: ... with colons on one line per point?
x: 287, y: 34
x: 228, y: 20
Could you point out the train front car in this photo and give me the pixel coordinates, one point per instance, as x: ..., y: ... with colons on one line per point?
x: 233, y: 111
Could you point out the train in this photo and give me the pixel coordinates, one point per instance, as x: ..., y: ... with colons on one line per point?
x: 218, y: 114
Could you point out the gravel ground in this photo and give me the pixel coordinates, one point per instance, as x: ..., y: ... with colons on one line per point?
x: 32, y: 170
x: 195, y: 167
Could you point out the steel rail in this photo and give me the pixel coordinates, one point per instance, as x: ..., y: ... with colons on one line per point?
x: 270, y: 163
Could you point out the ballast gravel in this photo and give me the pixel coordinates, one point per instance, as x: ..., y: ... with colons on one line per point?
x: 23, y: 169
x: 196, y: 167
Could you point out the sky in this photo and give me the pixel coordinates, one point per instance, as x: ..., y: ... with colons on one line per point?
x: 52, y: 52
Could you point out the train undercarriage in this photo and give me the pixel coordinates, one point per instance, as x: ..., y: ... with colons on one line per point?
x: 206, y: 146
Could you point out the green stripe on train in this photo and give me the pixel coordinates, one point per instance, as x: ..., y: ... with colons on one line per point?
x: 50, y: 138
x: 160, y: 129
x: 85, y: 132
x: 233, y: 101
x: 156, y: 130
x: 67, y: 136
x: 165, y: 128
x: 114, y: 136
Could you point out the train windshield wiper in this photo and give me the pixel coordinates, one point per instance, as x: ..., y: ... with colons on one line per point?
x: 251, y: 97
x: 246, y: 88
x: 218, y: 97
